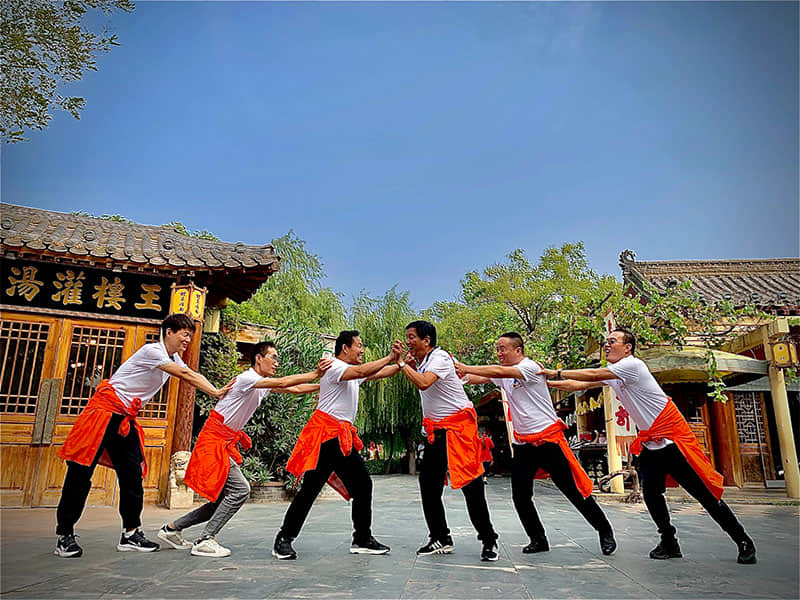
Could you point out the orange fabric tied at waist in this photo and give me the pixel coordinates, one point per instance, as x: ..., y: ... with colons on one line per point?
x: 555, y: 435
x: 320, y: 428
x: 670, y: 424
x: 87, y: 433
x: 209, y: 466
x: 463, y: 445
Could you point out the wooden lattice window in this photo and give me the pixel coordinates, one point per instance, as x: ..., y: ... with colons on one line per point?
x: 157, y: 407
x: 94, y: 354
x: 22, y: 347
x: 749, y: 418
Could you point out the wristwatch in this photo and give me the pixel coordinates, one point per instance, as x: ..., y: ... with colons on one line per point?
x: 401, y: 364
x: 559, y: 374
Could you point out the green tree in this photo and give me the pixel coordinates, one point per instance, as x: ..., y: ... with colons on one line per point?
x: 295, y: 293
x: 389, y: 408
x: 44, y: 44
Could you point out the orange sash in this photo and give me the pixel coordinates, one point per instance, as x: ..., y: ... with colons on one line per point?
x: 209, y: 466
x: 671, y: 424
x: 463, y: 445
x: 320, y: 428
x: 87, y: 433
x: 555, y: 434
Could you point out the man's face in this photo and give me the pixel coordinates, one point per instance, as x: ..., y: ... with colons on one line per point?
x: 354, y: 353
x: 615, y: 348
x: 177, y: 341
x: 414, y: 343
x: 267, y: 363
x: 507, y: 352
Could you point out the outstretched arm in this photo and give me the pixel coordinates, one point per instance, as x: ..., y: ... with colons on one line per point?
x: 571, y: 385
x: 374, y: 366
x: 386, y: 371
x: 596, y: 375
x: 303, y: 388
x: 290, y: 380
x: 489, y: 371
x: 196, y: 379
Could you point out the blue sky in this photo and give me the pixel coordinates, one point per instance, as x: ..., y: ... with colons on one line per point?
x: 409, y: 143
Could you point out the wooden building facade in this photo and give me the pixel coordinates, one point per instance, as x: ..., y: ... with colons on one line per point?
x: 79, y: 296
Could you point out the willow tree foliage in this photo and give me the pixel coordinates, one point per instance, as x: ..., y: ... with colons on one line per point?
x: 295, y: 293
x: 43, y: 45
x: 390, y: 406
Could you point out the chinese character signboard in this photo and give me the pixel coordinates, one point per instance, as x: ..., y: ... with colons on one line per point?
x: 72, y: 287
x: 188, y: 300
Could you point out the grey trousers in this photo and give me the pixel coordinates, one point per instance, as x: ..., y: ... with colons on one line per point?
x: 216, y: 514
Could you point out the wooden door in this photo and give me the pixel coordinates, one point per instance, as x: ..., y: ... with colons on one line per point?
x: 28, y: 348
x: 89, y: 352
x: 50, y: 368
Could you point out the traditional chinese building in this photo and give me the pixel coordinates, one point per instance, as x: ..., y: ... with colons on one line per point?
x: 79, y: 296
x: 749, y: 437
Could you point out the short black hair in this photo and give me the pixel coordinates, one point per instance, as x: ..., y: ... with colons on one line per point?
x: 176, y: 322
x: 515, y: 338
x: 345, y: 339
x: 260, y: 349
x: 627, y: 338
x: 424, y: 329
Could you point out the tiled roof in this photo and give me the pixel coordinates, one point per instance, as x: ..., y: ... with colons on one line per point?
x: 771, y: 284
x: 228, y: 270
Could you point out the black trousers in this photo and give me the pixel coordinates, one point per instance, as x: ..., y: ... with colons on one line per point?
x: 431, y: 486
x: 126, y: 456
x: 654, y: 466
x: 354, y: 475
x: 548, y: 456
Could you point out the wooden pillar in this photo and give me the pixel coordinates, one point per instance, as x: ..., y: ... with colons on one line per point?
x: 184, y: 413
x: 614, y: 460
x: 725, y: 441
x: 783, y: 421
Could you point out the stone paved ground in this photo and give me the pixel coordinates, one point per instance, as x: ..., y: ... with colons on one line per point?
x: 574, y: 568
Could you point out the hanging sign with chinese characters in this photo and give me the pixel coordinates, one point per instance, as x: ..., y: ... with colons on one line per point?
x: 70, y: 287
x: 188, y: 300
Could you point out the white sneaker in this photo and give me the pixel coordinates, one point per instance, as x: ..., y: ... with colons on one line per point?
x: 209, y: 547
x: 174, y: 538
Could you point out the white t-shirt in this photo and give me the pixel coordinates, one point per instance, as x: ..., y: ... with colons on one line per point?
x: 239, y: 404
x: 528, y: 399
x: 336, y: 397
x: 446, y: 396
x: 639, y: 392
x: 140, y: 377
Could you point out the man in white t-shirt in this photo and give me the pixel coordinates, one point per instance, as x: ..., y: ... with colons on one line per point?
x: 213, y: 469
x: 329, y: 444
x: 670, y: 449
x: 539, y: 442
x: 452, y: 444
x: 107, y: 433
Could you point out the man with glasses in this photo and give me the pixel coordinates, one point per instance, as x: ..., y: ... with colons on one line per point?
x: 540, y: 447
x: 329, y: 445
x: 669, y: 450
x: 213, y: 469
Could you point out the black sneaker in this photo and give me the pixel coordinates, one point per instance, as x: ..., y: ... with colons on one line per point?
x: 282, y: 548
x: 489, y: 551
x: 136, y: 543
x: 607, y: 542
x: 67, y: 547
x: 747, y: 552
x: 666, y: 549
x: 444, y: 546
x: 373, y: 546
x: 536, y: 545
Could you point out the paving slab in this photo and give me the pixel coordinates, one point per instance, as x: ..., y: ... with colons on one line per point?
x: 573, y: 568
